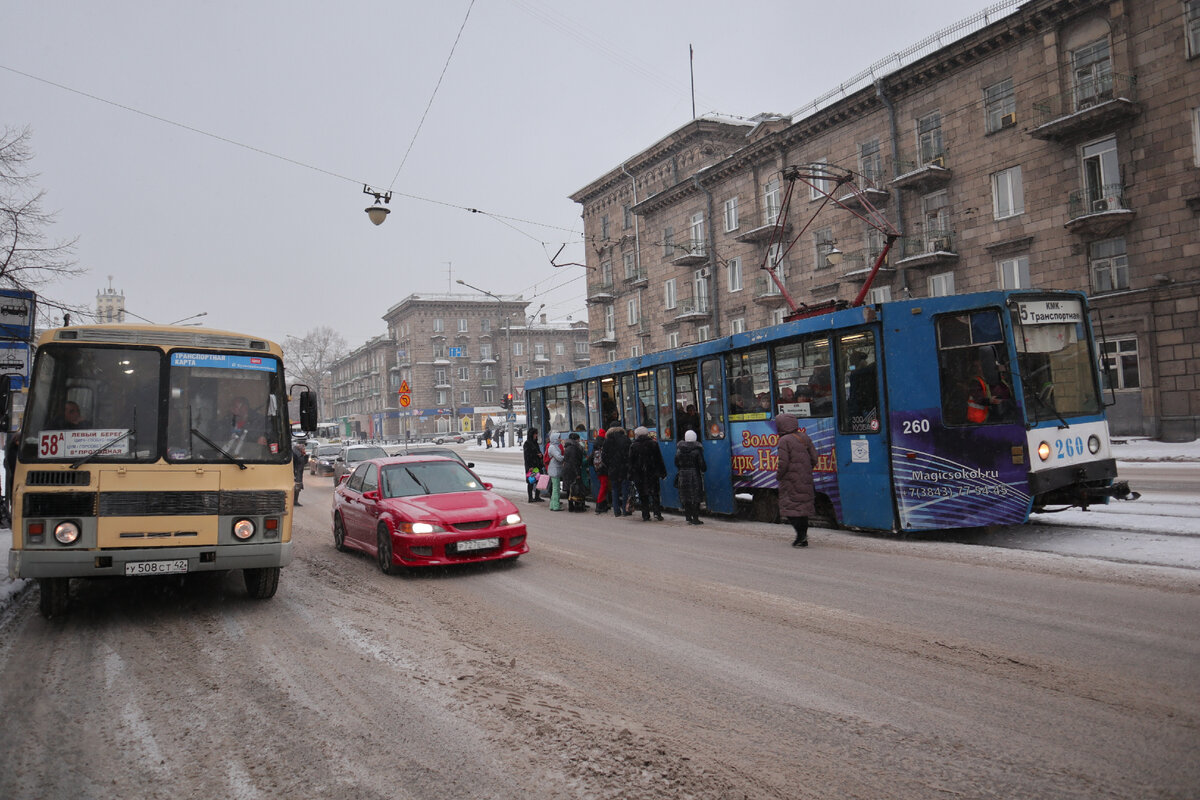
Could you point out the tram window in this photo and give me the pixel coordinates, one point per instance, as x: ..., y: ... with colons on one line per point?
x: 665, y: 415
x: 535, y: 409
x: 646, y: 399
x: 687, y: 400
x: 750, y: 385
x: 976, y: 387
x: 803, y: 387
x: 579, y: 416
x: 714, y: 400
x: 628, y: 401
x: 608, y: 402
x: 557, y: 409
x: 858, y: 386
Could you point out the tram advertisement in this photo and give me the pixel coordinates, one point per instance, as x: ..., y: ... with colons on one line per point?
x: 754, y: 456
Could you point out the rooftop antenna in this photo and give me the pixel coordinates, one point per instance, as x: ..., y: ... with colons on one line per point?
x: 692, y: 70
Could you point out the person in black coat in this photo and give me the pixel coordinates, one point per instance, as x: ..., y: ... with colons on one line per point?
x: 572, y: 473
x: 533, y: 461
x: 689, y: 460
x: 646, y: 470
x: 616, y: 464
x: 299, y: 462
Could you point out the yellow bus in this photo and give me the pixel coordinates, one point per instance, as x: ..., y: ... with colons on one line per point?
x: 152, y: 450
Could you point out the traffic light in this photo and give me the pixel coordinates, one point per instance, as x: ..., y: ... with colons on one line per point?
x: 507, y: 402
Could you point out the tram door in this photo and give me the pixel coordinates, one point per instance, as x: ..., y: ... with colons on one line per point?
x: 860, y: 440
x: 718, y: 478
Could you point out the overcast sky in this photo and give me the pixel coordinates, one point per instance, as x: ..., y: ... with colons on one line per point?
x: 210, y: 156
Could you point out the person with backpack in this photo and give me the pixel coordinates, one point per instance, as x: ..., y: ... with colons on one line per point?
x: 601, y: 473
x: 533, y: 465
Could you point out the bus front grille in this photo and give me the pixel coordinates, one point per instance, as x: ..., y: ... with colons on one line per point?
x: 43, y: 477
x: 59, y: 504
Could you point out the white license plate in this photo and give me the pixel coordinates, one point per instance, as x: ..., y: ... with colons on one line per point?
x: 478, y: 544
x: 156, y: 567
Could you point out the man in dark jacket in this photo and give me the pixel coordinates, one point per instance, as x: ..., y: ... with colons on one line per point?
x: 533, y: 461
x: 616, y: 464
x: 646, y: 469
x: 572, y: 473
x: 299, y: 462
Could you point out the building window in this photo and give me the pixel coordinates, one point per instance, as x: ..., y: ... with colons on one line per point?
x: 820, y: 186
x: 464, y: 398
x: 539, y: 351
x: 464, y: 373
x: 700, y: 289
x: 1110, y: 265
x: 485, y: 325
x: 581, y: 348
x: 438, y: 327
x: 870, y: 162
x: 1102, y: 176
x: 441, y: 397
x: 559, y: 349
x: 670, y: 299
x: 540, y: 372
x: 634, y: 351
x: 1092, y: 69
x: 929, y: 137
x: 631, y: 307
x: 439, y: 376
x: 1119, y: 360
x: 672, y: 340
x: 737, y: 325
x: 1008, y: 194
x: 630, y: 266
x: 1191, y: 15
x: 462, y: 326
x: 612, y: 356
x: 488, y: 397
x: 733, y: 274
x: 999, y: 106
x: 1196, y: 133
x: 606, y: 276
x: 771, y: 202
x: 519, y: 348
x: 823, y: 245
x: 935, y: 209
x: 731, y: 214
x: 696, y: 234
x: 485, y: 372
x: 627, y: 217
x: 941, y: 285
x: 604, y: 227
x: 668, y: 242
x: 519, y: 370
x: 880, y: 294
x: 702, y: 333
x: 777, y: 316
x: 610, y: 320
x: 1014, y: 273
x: 485, y: 351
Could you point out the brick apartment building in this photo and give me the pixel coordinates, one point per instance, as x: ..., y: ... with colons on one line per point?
x: 1056, y: 147
x: 455, y: 352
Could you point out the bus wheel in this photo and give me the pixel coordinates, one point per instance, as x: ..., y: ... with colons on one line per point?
x: 56, y: 595
x: 261, y: 583
x: 383, y: 552
x: 339, y: 534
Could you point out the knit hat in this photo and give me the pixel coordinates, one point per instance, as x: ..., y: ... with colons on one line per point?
x: 600, y: 434
x: 641, y: 430
x: 690, y: 436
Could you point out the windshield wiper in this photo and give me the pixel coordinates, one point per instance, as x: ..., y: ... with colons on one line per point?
x: 420, y: 483
x: 218, y: 448
x: 1050, y: 407
x: 84, y: 459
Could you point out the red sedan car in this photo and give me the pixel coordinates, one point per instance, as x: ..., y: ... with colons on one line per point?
x: 424, y: 511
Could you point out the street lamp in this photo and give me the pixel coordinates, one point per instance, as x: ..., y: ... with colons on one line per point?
x: 509, y: 417
x: 377, y: 213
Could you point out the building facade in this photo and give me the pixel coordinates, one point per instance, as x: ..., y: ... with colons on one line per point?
x: 1057, y: 148
x: 110, y: 304
x: 458, y: 356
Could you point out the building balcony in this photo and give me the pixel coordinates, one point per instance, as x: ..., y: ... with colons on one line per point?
x: 638, y: 279
x: 921, y: 175
x: 933, y: 249
x: 1098, y: 211
x: 692, y: 308
x: 489, y: 383
x: 766, y: 292
x: 872, y: 190
x: 582, y: 358
x: 763, y: 233
x: 603, y: 337
x: 541, y: 358
x: 695, y: 253
x: 1093, y: 106
x: 601, y: 292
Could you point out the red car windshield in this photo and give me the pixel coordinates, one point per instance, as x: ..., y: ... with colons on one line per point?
x: 427, y: 477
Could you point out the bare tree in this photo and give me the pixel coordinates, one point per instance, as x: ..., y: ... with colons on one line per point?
x: 309, y: 358
x: 28, y: 260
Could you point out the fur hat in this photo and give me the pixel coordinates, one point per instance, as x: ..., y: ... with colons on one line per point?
x: 690, y: 436
x: 641, y: 430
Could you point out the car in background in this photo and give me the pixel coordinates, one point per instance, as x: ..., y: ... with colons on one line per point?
x: 438, y: 451
x: 349, y: 456
x: 453, y: 436
x: 424, y: 510
x: 322, y: 458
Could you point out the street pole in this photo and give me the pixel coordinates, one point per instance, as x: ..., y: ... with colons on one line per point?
x: 511, y: 417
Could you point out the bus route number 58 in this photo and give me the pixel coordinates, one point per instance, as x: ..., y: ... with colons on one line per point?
x: 50, y: 444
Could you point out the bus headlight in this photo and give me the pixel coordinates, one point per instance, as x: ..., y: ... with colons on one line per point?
x: 66, y: 532
x: 243, y: 529
x: 1044, y: 451
x: 1093, y: 444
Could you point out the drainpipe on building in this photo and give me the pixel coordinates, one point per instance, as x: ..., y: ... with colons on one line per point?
x: 637, y: 254
x: 894, y: 131
x: 712, y: 261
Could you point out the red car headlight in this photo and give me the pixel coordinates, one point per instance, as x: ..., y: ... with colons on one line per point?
x: 420, y: 527
x: 511, y: 519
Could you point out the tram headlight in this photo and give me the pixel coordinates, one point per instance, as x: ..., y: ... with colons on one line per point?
x: 66, y: 532
x: 1044, y: 451
x: 1093, y: 444
x: 243, y: 529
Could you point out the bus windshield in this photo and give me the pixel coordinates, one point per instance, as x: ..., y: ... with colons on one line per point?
x: 1057, y: 371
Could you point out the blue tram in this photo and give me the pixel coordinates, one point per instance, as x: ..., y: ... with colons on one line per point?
x: 943, y: 412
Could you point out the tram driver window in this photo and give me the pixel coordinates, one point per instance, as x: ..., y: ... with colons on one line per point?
x: 976, y: 388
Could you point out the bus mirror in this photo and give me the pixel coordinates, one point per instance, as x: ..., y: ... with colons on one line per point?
x: 308, y: 411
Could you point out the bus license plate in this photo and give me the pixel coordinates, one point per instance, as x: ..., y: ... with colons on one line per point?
x: 478, y: 544
x: 156, y: 567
